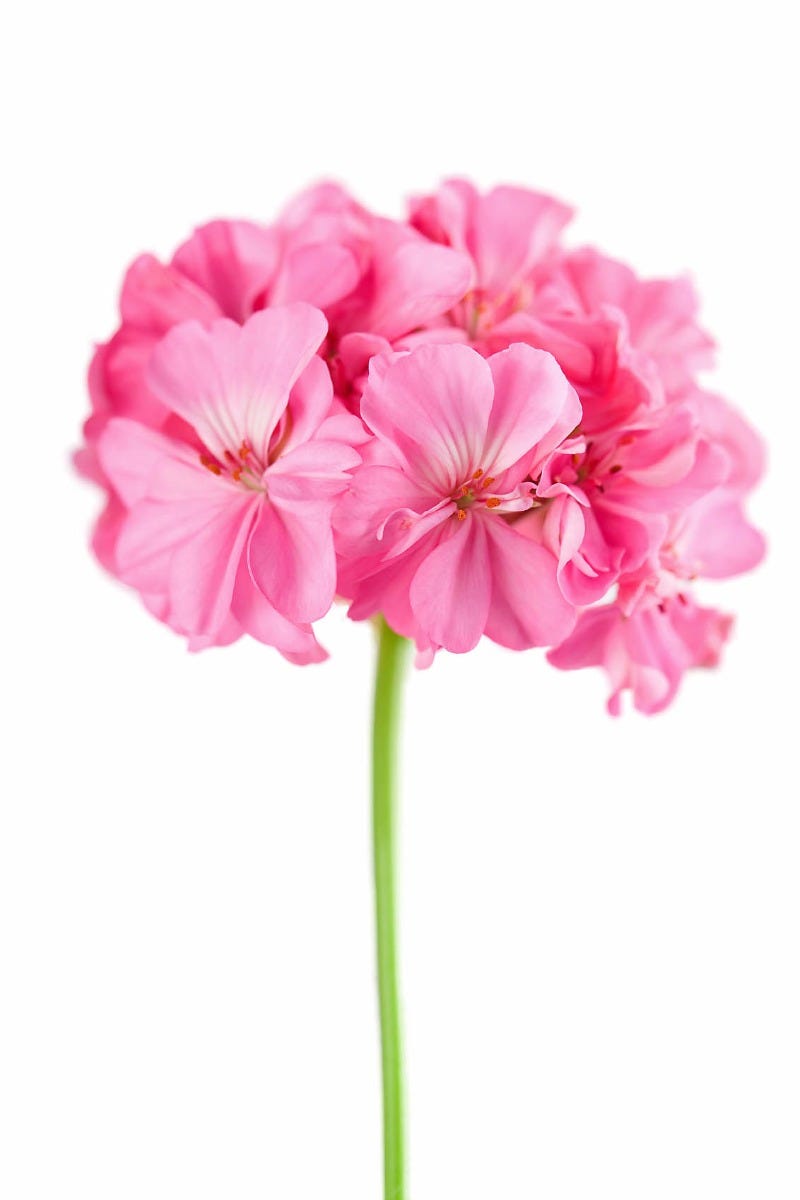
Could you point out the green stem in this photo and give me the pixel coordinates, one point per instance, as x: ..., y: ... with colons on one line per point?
x: 385, y: 724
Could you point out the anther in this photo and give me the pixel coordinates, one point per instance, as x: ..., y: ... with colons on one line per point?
x: 210, y: 465
x: 493, y: 502
x: 615, y: 470
x: 461, y: 514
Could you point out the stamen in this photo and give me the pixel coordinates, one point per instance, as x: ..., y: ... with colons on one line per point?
x: 493, y: 502
x: 244, y: 450
x: 478, y: 473
x: 615, y: 470
x: 236, y: 473
x: 461, y: 514
x: 488, y: 481
x: 210, y: 465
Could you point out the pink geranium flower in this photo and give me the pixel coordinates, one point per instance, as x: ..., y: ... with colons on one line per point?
x: 426, y: 528
x: 404, y: 282
x: 227, y: 529
x: 647, y: 651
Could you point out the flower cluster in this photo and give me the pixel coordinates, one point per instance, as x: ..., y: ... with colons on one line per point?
x: 453, y: 420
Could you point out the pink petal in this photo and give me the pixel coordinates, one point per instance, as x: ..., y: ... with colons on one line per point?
x: 231, y: 382
x: 314, y: 470
x: 292, y: 560
x: 533, y: 404
x: 450, y: 592
x: 262, y: 621
x: 155, y: 297
x: 415, y: 281
x: 318, y: 273
x: 721, y: 541
x: 585, y: 646
x: 514, y: 229
x: 432, y: 408
x: 527, y: 606
x: 233, y: 261
x: 130, y: 454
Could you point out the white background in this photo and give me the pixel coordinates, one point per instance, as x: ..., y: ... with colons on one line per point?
x: 600, y: 919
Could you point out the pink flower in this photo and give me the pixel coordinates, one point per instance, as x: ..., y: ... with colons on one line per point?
x: 404, y: 282
x: 608, y: 499
x: 647, y: 651
x: 426, y: 529
x: 495, y: 495
x: 658, y: 316
x: 226, y: 527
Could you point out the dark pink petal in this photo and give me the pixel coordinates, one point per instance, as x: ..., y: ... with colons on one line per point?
x: 155, y: 297
x: 586, y: 645
x: 310, y: 403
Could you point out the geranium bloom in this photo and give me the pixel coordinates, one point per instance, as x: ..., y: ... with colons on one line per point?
x: 533, y: 439
x: 426, y: 528
x: 227, y: 523
x: 647, y: 651
x: 404, y: 282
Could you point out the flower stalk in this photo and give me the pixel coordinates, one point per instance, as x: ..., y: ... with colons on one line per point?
x: 392, y: 653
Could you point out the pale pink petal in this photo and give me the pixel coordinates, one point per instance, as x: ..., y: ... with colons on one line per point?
x: 720, y: 541
x: 432, y: 408
x: 314, y: 470
x: 534, y: 409
x: 513, y: 230
x: 310, y: 403
x: 231, y: 382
